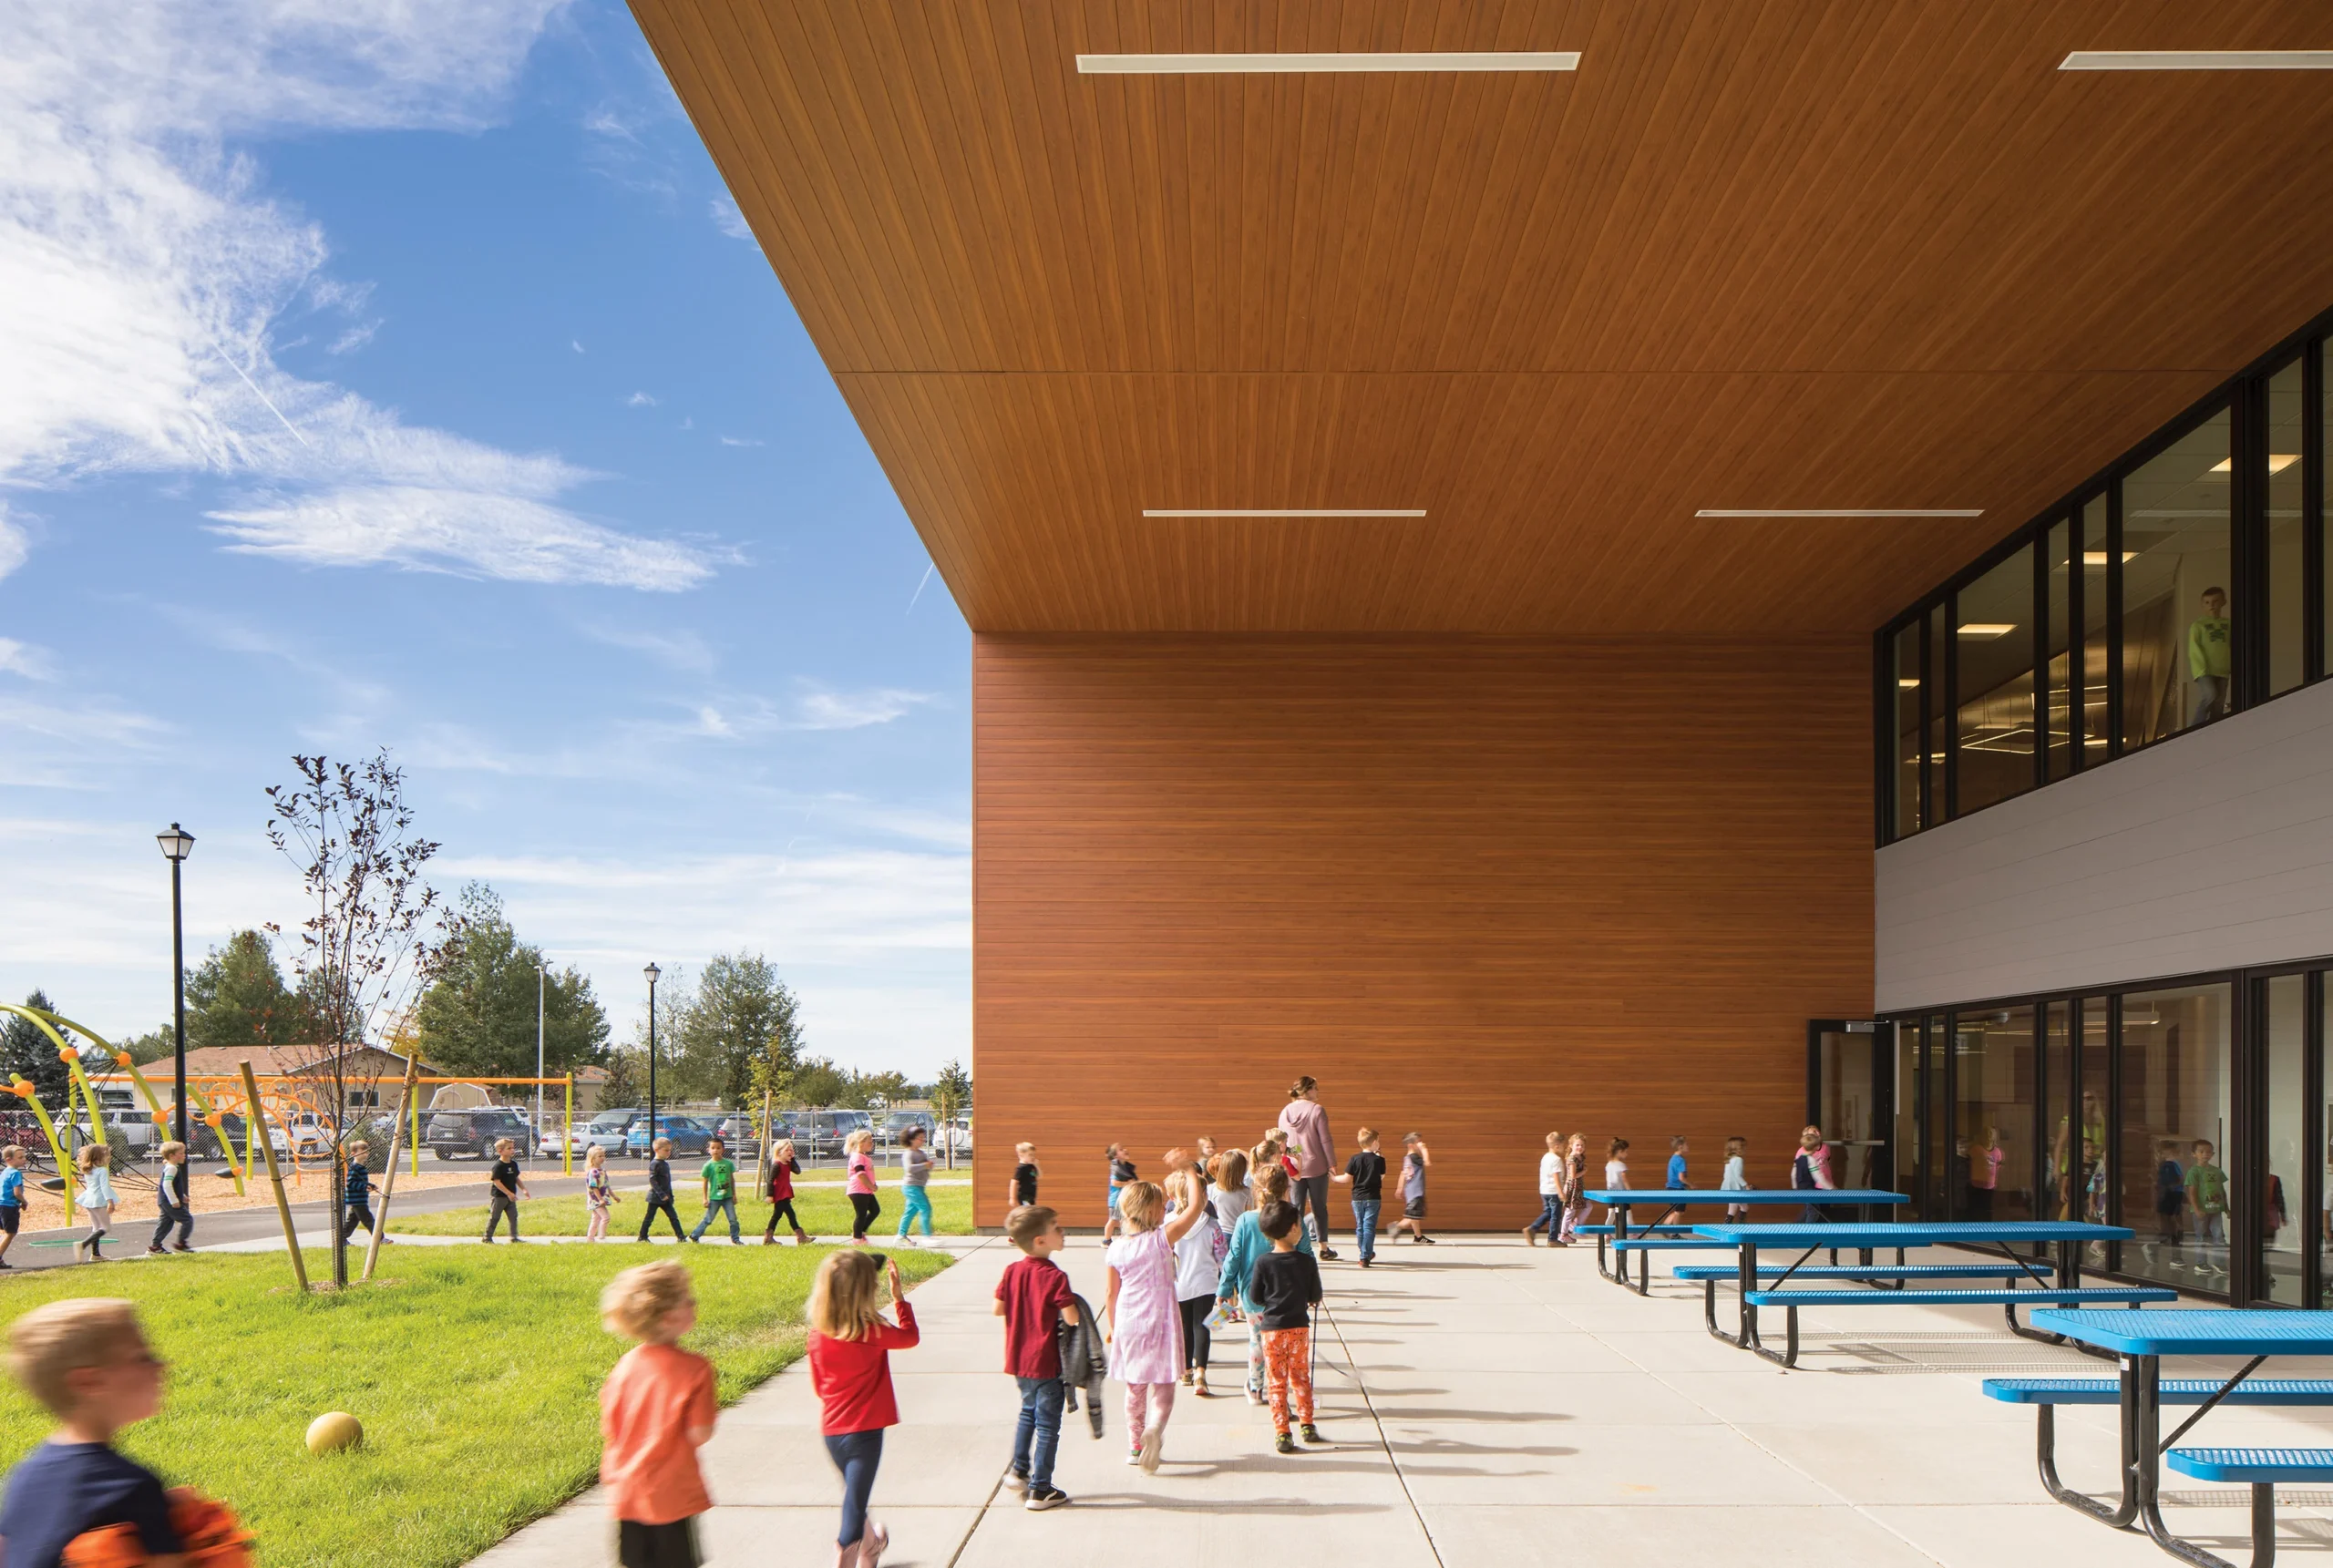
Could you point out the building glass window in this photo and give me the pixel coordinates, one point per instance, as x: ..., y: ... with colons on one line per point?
x: 2097, y: 613
x: 2078, y: 1142
x: 1905, y: 676
x: 1906, y: 1132
x: 1994, y: 1062
x: 2284, y: 1222
x: 2176, y: 1084
x: 1940, y: 712
x: 2177, y: 652
x: 2059, y: 660
x: 2286, y: 567
x: 1993, y: 640
x: 1936, y: 1176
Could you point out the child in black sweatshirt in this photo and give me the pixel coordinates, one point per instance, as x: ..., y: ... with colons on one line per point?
x: 1285, y: 1285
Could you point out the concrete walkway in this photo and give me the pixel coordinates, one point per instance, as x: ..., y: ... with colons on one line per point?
x: 1489, y: 1403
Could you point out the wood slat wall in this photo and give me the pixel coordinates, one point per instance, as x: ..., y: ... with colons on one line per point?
x: 1481, y: 889
x: 1755, y: 253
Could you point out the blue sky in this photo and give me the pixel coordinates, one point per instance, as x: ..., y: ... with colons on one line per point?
x: 398, y: 373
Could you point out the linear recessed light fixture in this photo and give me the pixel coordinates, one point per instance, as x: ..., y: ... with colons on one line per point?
x: 2098, y: 558
x: 1910, y: 680
x: 1840, y: 512
x: 1985, y: 631
x: 1283, y: 65
x: 2198, y: 60
x: 2277, y: 463
x: 1283, y: 512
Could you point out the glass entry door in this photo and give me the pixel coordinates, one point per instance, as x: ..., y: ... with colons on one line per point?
x: 1851, y: 1096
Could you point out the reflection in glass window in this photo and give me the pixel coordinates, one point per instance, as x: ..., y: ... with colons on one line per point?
x: 1907, y: 676
x: 2283, y: 1226
x: 1936, y: 1176
x: 1994, y: 642
x: 2058, y: 659
x: 2097, y: 610
x: 1992, y: 1134
x: 1907, y: 1114
x: 2174, y: 1125
x: 2177, y: 646
x: 2288, y: 470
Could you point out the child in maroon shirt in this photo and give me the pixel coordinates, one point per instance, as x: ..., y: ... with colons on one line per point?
x: 782, y: 1168
x: 1032, y: 1298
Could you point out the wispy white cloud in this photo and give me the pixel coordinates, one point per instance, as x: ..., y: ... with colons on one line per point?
x: 740, y: 441
x: 639, y: 400
x: 352, y: 338
x: 674, y: 649
x: 576, y: 344
x: 729, y: 219
x: 856, y: 710
x: 23, y: 659
x: 15, y: 544
x: 141, y: 270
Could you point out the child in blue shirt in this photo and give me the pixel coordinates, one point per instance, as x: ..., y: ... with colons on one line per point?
x: 1676, y: 1182
x: 11, y: 1198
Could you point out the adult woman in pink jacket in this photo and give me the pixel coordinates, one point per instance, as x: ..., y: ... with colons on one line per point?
x: 1313, y: 1150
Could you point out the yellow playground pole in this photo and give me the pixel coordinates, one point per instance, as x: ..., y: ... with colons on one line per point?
x: 567, y: 1132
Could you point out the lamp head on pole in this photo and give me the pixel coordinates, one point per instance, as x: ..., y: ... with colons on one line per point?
x: 651, y: 971
x: 177, y: 843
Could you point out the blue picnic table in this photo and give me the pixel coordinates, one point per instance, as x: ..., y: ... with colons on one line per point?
x: 1622, y: 1201
x: 2002, y: 1236
x: 2139, y: 1341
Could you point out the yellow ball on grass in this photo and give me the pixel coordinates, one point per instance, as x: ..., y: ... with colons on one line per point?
x: 334, y: 1430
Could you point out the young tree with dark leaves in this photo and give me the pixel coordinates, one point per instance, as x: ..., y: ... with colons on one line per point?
x: 27, y: 1051
x: 375, y: 931
x: 739, y: 1033
x: 236, y: 997
x: 479, y: 1014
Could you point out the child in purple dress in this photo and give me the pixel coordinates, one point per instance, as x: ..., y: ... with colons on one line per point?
x: 1146, y: 1327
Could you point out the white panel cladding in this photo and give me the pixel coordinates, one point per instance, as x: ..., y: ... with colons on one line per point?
x: 2212, y: 850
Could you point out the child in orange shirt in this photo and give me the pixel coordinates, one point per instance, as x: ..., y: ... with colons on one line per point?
x: 656, y: 1409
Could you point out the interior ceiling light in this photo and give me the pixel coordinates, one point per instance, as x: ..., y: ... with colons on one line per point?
x: 2277, y: 463
x: 1283, y: 65
x: 1840, y: 512
x: 1911, y: 680
x: 1283, y: 512
x: 2198, y: 60
x: 2098, y: 558
x: 1985, y: 631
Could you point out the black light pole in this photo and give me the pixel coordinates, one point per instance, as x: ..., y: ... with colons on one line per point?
x: 651, y: 971
x: 178, y: 844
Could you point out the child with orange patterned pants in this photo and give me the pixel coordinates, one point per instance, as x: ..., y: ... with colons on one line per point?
x: 1285, y: 1285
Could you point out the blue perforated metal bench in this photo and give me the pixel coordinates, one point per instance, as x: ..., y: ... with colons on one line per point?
x: 1879, y: 1275
x: 2008, y: 1301
x: 2261, y: 1469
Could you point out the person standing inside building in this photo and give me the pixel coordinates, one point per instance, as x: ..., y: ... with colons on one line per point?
x: 1314, y: 1150
x: 2207, y: 660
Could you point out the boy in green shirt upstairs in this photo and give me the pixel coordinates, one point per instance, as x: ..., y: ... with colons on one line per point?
x: 720, y: 1176
x: 2207, y: 1197
x: 2209, y: 663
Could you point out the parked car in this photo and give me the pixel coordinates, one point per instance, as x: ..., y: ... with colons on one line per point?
x: 455, y: 1134
x: 202, y: 1141
x: 606, y: 1130
x: 896, y: 1125
x: 958, y: 1135
x: 821, y: 1132
x: 688, y: 1135
x: 741, y: 1136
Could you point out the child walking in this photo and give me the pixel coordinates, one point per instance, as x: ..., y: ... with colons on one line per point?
x: 1145, y: 1331
x: 850, y: 1369
x: 357, y: 1195
x: 784, y: 1166
x: 11, y: 1198
x: 1121, y: 1177
x: 1034, y: 1298
x: 1678, y: 1181
x: 915, y: 1175
x: 1551, y: 1196
x: 1023, y: 1190
x: 96, y: 1196
x: 172, y: 1204
x: 505, y: 1188
x: 1809, y: 1171
x: 656, y: 1409
x: 1198, y: 1269
x: 1286, y: 1287
x: 1416, y: 1159
x: 1366, y: 1173
x: 1736, y: 1178
x: 659, y: 1190
x: 1249, y: 1246
x: 720, y: 1179
x: 598, y: 1193
x: 1575, y: 1186
x: 865, y: 1208
x: 1616, y: 1168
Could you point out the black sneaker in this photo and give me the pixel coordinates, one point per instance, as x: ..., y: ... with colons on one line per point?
x: 1051, y: 1497
x: 1015, y: 1481
x: 1327, y: 1254
x: 1312, y: 1434
x: 1286, y: 1445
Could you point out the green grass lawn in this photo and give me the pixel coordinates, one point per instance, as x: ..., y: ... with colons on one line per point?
x: 475, y: 1373
x: 824, y: 1211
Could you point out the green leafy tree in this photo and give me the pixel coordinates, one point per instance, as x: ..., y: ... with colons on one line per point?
x: 236, y: 997
x: 153, y: 1045
x: 739, y: 1032
x: 953, y: 1086
x: 818, y: 1081
x: 893, y: 1087
x: 627, y: 1082
x: 27, y: 1052
x: 478, y: 1013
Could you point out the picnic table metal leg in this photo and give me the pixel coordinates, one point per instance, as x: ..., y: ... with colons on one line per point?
x: 1617, y: 1215
x: 1746, y: 1327
x: 2125, y: 1509
x: 2144, y: 1374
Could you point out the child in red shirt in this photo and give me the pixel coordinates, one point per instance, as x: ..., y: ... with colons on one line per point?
x: 851, y: 1367
x: 656, y: 1409
x: 1032, y: 1297
x: 782, y: 1168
